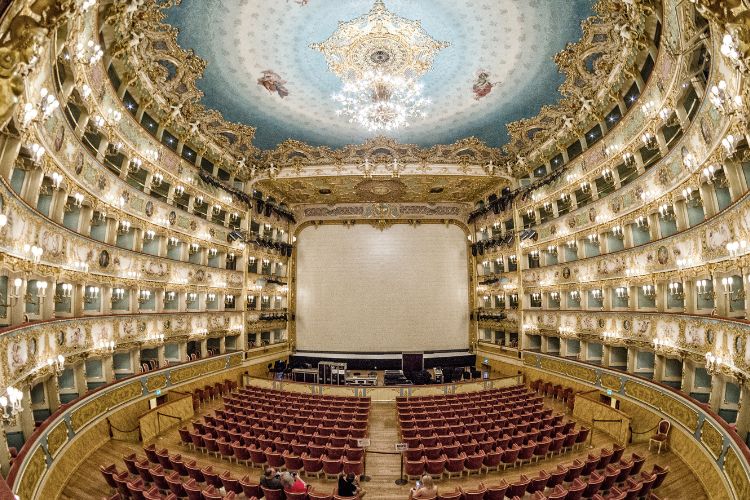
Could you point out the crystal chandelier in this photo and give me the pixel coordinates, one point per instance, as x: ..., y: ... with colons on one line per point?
x: 379, y: 58
x: 381, y: 102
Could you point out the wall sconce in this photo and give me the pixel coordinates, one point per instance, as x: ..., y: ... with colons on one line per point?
x: 155, y: 337
x: 730, y: 145
x: 92, y: 293
x: 135, y: 164
x: 229, y: 299
x: 514, y: 301
x: 662, y: 345
x: 212, y: 252
x: 611, y: 150
x: 123, y: 227
x: 512, y: 259
x: 714, y: 363
x: 179, y: 190
x: 735, y: 248
x: 210, y: 297
x: 729, y: 291
x: 66, y: 291
x: 649, y: 291
x: 610, y: 335
x: 37, y: 153
x: 547, y: 206
x: 649, y: 140
x: 57, y: 179
x: 78, y: 200
x: 234, y: 216
x: 641, y: 222
x: 722, y: 100
x: 144, y: 296
x: 572, y: 244
x: 173, y: 241
x: 676, y: 290
x: 666, y: 115
x: 33, y: 253
x: 217, y: 209
x: 597, y: 294
x: 617, y: 232
x: 552, y: 250
x: 191, y: 297
x: 666, y: 212
x: 531, y: 215
x: 11, y: 404
x: 47, y: 104
x: 565, y: 197
x: 117, y: 294
x: 554, y: 296
x: 585, y: 187
x: 649, y: 109
x: 157, y: 179
x: 702, y: 288
x: 57, y: 364
x: 104, y: 346
x: 690, y: 162
x: 169, y: 296
x: 534, y: 254
x: 607, y: 175
x: 199, y: 201
x: 230, y: 256
x: 151, y: 154
x: 629, y: 159
x: 575, y: 295
x: 193, y: 248
x: 593, y: 238
x: 149, y: 234
x: 622, y: 293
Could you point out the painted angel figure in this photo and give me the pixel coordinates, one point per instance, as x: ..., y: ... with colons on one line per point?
x: 272, y: 82
x: 482, y: 85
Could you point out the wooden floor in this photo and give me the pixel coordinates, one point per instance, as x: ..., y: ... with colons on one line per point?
x: 88, y: 483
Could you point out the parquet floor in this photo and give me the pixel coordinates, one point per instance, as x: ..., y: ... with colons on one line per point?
x: 88, y: 483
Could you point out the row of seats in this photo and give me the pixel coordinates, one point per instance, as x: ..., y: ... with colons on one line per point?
x: 149, y: 480
x: 276, y: 396
x: 468, y: 396
x: 454, y: 459
x: 210, y: 392
x: 574, y: 481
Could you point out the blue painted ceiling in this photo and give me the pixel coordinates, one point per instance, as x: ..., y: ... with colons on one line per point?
x: 511, y: 40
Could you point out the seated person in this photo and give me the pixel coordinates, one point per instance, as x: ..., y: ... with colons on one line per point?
x: 270, y: 479
x: 349, y: 486
x: 425, y: 489
x: 292, y: 483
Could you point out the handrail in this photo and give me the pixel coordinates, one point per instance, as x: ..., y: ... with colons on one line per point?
x: 134, y: 429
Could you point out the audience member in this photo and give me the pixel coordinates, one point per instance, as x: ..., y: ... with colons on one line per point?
x: 349, y: 486
x: 293, y: 483
x: 270, y: 479
x: 426, y: 489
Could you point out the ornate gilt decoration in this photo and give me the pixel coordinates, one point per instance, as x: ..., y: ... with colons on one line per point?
x: 379, y: 41
x: 146, y: 45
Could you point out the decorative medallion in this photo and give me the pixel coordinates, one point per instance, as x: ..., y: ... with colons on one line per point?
x: 379, y: 41
x: 566, y: 273
x: 709, y: 336
x: 149, y: 208
x: 104, y: 259
x: 662, y: 255
x: 371, y: 189
x: 172, y: 218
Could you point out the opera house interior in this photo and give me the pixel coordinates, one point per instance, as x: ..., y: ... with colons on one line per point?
x: 391, y: 249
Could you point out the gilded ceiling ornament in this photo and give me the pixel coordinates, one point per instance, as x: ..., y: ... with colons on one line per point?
x: 379, y: 41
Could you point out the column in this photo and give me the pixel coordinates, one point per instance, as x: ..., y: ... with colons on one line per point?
x: 52, y: 389
x: 27, y: 415
x: 79, y: 373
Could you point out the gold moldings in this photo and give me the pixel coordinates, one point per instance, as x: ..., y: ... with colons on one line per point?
x: 736, y: 474
x: 611, y: 381
x: 664, y: 402
x: 56, y: 438
x: 235, y: 360
x: 98, y: 406
x: 188, y: 372
x: 32, y: 473
x: 156, y: 382
x: 569, y: 369
x: 712, y: 438
x: 530, y: 359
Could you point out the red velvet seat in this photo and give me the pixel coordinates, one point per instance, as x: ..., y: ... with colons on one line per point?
x: 455, y: 465
x: 312, y: 465
x: 660, y: 473
x: 230, y: 483
x: 332, y: 467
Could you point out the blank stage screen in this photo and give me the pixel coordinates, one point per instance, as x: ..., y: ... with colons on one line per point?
x: 360, y: 289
